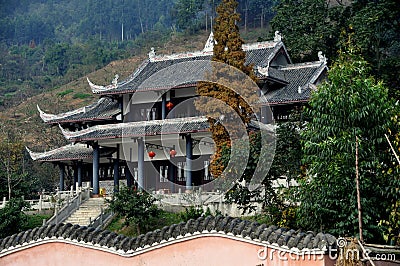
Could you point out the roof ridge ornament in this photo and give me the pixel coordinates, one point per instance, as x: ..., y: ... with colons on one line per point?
x: 45, y: 116
x: 278, y: 36
x: 263, y: 70
x: 34, y: 155
x: 40, y: 110
x: 209, y: 46
x: 322, y: 57
x: 152, y: 53
x: 115, y: 80
x: 97, y: 88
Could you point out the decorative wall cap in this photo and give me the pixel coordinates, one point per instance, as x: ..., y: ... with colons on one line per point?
x: 288, y: 240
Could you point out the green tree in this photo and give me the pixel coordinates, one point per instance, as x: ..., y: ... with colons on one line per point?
x: 256, y: 13
x: 56, y: 59
x: 12, y: 172
x: 240, y: 193
x: 308, y: 26
x: 376, y: 32
x: 351, y: 104
x: 136, y: 206
x: 12, y: 218
x: 280, y: 202
x: 391, y: 223
x: 187, y: 14
x: 288, y: 153
x: 286, y: 164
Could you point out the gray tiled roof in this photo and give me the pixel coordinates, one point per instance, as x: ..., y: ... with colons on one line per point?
x: 139, y: 129
x: 257, y: 54
x: 299, y: 79
x: 262, y: 234
x: 104, y: 109
x: 71, y: 152
x: 183, y: 73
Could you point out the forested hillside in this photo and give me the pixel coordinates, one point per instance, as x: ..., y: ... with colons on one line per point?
x: 27, y: 21
x: 47, y: 43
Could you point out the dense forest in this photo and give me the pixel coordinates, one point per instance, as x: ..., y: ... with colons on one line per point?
x: 47, y: 43
x: 29, y: 21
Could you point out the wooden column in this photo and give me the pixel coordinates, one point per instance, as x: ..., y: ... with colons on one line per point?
x: 164, y: 106
x: 189, y: 156
x: 128, y: 175
x: 75, y: 175
x: 79, y: 173
x: 116, y: 172
x: 96, y: 164
x: 116, y: 175
x: 140, y: 164
x: 128, y: 172
x: 62, y: 175
x: 171, y: 170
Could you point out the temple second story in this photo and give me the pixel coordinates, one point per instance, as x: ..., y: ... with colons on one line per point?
x: 162, y: 82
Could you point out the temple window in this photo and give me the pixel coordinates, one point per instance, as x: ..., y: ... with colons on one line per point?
x: 163, y: 173
x: 207, y: 174
x: 148, y: 114
x: 181, y: 171
x: 135, y: 174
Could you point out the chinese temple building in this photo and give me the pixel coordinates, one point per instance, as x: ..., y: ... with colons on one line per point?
x: 144, y: 131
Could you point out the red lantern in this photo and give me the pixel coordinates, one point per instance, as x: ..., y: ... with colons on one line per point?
x: 169, y: 106
x: 172, y: 153
x: 152, y: 154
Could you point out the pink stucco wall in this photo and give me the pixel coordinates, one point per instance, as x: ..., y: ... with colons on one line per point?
x: 211, y: 250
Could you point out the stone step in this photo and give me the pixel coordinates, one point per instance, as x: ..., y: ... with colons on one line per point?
x: 96, y: 204
x: 80, y: 222
x: 78, y: 214
x: 82, y: 217
x: 88, y: 210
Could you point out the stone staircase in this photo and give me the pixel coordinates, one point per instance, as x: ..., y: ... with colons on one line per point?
x: 87, y: 211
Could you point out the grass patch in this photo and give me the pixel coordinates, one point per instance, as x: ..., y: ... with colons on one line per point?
x: 81, y: 95
x: 260, y: 218
x: 35, y: 220
x: 165, y: 219
x: 117, y: 226
x: 10, y: 94
x: 63, y: 93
